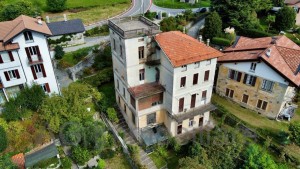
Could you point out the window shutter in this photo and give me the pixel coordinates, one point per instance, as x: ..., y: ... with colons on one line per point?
x: 11, y: 57
x: 193, y: 100
x: 245, y: 78
x: 38, y: 50
x: 43, y: 70
x: 181, y: 103
x: 6, y: 76
x: 33, y: 72
x: 239, y: 76
x: 195, y: 80
x: 28, y: 54
x: 1, y: 61
x: 47, y: 87
x: 253, y: 81
x: 17, y: 73
x: 206, y: 75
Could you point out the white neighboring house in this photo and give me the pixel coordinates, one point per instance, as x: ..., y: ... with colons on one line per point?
x: 163, y: 81
x: 25, y: 57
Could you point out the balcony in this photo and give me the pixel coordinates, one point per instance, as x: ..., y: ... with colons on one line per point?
x: 152, y: 60
x: 35, y: 59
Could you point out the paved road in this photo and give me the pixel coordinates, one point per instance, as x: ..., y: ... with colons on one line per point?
x: 194, y: 30
x: 172, y: 12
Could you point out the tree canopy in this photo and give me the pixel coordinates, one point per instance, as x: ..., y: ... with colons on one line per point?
x: 212, y: 26
x: 285, y: 18
x: 5, y: 162
x: 3, y: 139
x: 15, y: 9
x: 56, y: 5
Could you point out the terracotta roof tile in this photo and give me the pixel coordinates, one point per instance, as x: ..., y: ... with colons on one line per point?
x: 10, y: 29
x: 12, y: 46
x: 19, y: 160
x: 182, y: 49
x: 284, y: 54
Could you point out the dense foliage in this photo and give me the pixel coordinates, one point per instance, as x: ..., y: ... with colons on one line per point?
x: 5, y: 162
x: 80, y: 155
x: 102, y: 58
x: 294, y: 129
x: 212, y: 26
x: 28, y: 99
x: 3, y: 139
x: 221, y: 41
x: 285, y: 18
x: 190, y: 163
x: 59, y: 52
x: 13, y: 10
x: 56, y: 5
x: 98, y: 31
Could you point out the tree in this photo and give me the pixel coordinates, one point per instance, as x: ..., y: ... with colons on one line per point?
x: 256, y: 158
x: 294, y: 129
x: 103, y: 58
x: 56, y: 5
x: 101, y: 164
x: 285, y: 18
x: 80, y: 155
x: 3, y: 139
x: 278, y: 3
x: 190, y: 163
x: 212, y: 26
x: 59, y: 52
x: 112, y: 115
x: 5, y: 162
x: 270, y: 19
x: 168, y: 24
x: 13, y: 10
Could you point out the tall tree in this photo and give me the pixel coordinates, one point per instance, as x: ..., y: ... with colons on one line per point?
x: 270, y: 19
x: 13, y: 10
x: 3, y: 139
x: 56, y: 5
x: 278, y: 3
x: 285, y: 18
x: 212, y: 26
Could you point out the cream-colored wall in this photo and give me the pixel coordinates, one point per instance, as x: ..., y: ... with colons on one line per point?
x: 160, y: 118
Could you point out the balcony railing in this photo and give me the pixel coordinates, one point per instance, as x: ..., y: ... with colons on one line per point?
x: 35, y: 59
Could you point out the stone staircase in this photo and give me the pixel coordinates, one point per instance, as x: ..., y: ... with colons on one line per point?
x: 122, y: 127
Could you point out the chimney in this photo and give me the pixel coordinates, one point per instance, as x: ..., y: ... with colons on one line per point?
x: 65, y: 17
x: 39, y: 20
x: 200, y: 38
x: 208, y: 40
x: 47, y: 19
x: 268, y: 53
x: 183, y: 29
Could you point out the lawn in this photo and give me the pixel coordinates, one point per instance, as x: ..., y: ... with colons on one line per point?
x: 117, y: 162
x: 181, y: 5
x: 89, y: 11
x: 172, y: 161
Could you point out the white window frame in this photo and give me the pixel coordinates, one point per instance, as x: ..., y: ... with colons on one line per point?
x: 142, y: 74
x: 191, y: 122
x: 197, y: 65
x: 208, y: 62
x: 12, y: 74
x: 249, y: 79
x: 184, y: 68
x: 29, y: 36
x: 38, y: 70
x: 267, y: 85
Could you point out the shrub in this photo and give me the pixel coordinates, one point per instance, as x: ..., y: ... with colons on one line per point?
x: 162, y: 151
x: 3, y: 139
x: 150, y: 15
x: 112, y: 115
x: 98, y: 31
x: 59, y: 52
x: 253, y: 33
x: 106, y: 75
x: 80, y: 155
x: 173, y: 143
x: 66, y: 162
x: 101, y: 164
x: 220, y: 41
x: 285, y: 18
x: 107, y: 154
x: 294, y: 129
x: 164, y: 14
x: 56, y: 5
x: 213, y: 26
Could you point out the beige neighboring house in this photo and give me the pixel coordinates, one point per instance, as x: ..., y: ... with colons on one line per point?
x: 261, y: 74
x: 163, y: 81
x: 296, y: 5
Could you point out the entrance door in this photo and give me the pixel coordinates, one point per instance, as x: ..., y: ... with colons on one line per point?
x: 179, y: 129
x: 200, y: 121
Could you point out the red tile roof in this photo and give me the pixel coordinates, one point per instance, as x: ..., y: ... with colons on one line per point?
x: 291, y: 2
x: 146, y: 90
x: 19, y: 160
x: 182, y: 49
x: 284, y: 54
x: 10, y: 29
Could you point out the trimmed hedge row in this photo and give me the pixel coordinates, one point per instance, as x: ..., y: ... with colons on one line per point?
x: 220, y: 41
x: 253, y: 33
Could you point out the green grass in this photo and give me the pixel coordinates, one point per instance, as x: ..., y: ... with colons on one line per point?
x: 172, y: 161
x: 108, y: 90
x: 117, y: 162
x: 72, y: 58
x: 176, y: 4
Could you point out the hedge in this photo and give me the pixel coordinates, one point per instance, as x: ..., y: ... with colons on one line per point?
x: 220, y: 41
x: 253, y: 33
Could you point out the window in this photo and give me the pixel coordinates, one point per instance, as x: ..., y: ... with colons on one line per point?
x: 141, y: 52
x: 267, y: 85
x: 229, y: 93
x: 33, y: 53
x: 125, y: 108
x: 183, y: 68
x: 114, y: 43
x: 12, y: 74
x: 121, y: 51
x: 193, y: 100
x: 245, y: 98
x: 142, y: 74
x: 181, y: 103
x: 182, y: 81
x: 208, y: 62
x: 179, y: 128
x: 249, y: 80
x: 253, y: 67
x: 133, y: 118
x: 32, y: 50
x: 195, y: 79
x: 262, y: 104
x: 151, y: 118
x: 118, y: 84
x: 119, y: 99
x: 206, y: 75
x: 6, y: 57
x: 132, y: 101
x: 45, y: 87
x: 204, y: 93
x: 124, y: 94
x: 38, y: 71
x: 191, y: 122
x: 234, y: 75
x: 28, y: 36
x: 197, y: 64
